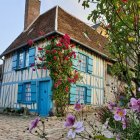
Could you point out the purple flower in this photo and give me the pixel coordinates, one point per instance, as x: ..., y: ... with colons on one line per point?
x: 111, y: 105
x: 77, y: 128
x: 135, y: 104
x: 70, y: 120
x: 78, y: 106
x: 124, y: 123
x: 34, y: 124
x: 119, y: 114
x: 118, y: 137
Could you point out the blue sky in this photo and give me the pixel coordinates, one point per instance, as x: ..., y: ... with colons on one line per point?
x: 12, y: 17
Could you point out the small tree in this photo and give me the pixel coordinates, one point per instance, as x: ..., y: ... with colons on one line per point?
x: 121, y: 19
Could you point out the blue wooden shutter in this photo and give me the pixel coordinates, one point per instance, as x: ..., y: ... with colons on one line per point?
x: 32, y: 56
x: 90, y: 65
x: 14, y: 61
x: 73, y: 94
x: 33, y: 91
x: 20, y: 92
x: 75, y: 60
x: 88, y: 96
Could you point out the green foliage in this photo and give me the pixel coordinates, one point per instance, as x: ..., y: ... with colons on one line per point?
x: 121, y: 20
x: 100, y: 137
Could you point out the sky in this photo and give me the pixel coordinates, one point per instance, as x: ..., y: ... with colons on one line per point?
x: 12, y: 17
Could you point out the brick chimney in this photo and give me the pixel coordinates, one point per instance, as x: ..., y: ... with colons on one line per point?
x: 32, y: 11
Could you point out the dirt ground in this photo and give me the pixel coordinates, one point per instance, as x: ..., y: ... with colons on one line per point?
x: 13, y: 127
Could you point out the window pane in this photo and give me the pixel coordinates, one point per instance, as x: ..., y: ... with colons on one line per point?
x: 20, y: 60
x: 27, y: 92
x: 83, y: 64
x: 80, y: 91
x: 27, y: 59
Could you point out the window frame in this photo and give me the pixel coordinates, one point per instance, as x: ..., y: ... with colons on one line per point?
x: 24, y: 93
x: 25, y: 54
x: 79, y: 94
x: 86, y: 62
x: 22, y: 64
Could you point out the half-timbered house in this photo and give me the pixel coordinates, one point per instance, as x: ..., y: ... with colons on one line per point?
x: 23, y: 87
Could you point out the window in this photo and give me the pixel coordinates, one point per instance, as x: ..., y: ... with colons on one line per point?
x: 21, y: 60
x: 26, y: 92
x: 82, y: 66
x: 80, y: 93
x: 27, y: 96
x: 27, y: 58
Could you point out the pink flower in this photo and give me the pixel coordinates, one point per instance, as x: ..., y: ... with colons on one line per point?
x: 66, y: 58
x: 78, y: 106
x: 30, y: 42
x: 55, y: 58
x: 67, y: 38
x: 72, y: 46
x: 119, y: 114
x: 40, y: 58
x: 47, y: 51
x: 76, y: 128
x: 54, y: 51
x: 34, y: 124
x: 70, y: 120
x: 111, y: 105
x: 124, y: 1
x: 67, y: 89
x: 56, y: 85
x: 59, y: 44
x: 135, y: 104
x: 40, y: 49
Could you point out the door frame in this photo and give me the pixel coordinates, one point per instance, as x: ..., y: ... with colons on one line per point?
x: 38, y: 89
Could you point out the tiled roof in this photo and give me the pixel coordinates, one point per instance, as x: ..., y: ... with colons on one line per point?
x: 80, y: 31
x: 59, y: 21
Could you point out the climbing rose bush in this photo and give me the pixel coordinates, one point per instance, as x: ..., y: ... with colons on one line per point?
x: 57, y: 56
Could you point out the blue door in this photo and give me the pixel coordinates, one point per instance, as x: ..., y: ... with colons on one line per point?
x: 44, y: 98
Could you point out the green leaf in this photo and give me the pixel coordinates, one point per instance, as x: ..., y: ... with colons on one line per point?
x: 100, y: 137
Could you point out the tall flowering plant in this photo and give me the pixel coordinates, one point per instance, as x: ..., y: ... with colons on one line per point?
x: 57, y: 56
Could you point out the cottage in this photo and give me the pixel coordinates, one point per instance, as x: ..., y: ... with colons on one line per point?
x: 23, y: 87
